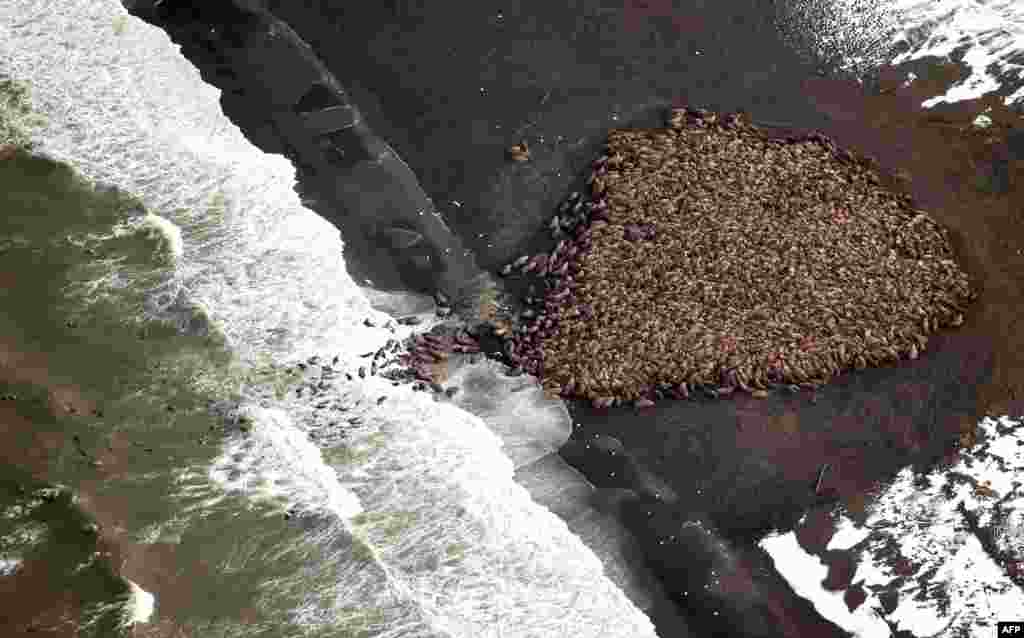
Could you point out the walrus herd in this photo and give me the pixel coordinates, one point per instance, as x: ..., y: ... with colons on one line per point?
x: 712, y: 257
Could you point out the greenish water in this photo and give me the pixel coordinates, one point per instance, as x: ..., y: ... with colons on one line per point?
x: 43, y: 530
x: 83, y: 265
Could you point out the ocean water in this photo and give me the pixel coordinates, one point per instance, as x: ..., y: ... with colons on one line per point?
x: 987, y: 36
x: 172, y: 280
x: 194, y: 281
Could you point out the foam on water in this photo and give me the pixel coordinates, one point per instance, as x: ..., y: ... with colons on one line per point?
x: 140, y: 605
x: 513, y: 407
x: 116, y: 109
x: 288, y: 466
x: 163, y: 228
x: 990, y: 33
x: 861, y: 34
x: 451, y: 545
x: 8, y: 566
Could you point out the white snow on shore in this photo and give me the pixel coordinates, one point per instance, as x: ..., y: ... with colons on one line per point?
x: 956, y: 588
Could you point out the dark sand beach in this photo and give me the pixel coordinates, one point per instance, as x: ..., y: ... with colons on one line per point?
x: 452, y: 87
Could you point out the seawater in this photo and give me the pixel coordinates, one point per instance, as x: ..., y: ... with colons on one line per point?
x: 169, y: 276
x: 985, y: 36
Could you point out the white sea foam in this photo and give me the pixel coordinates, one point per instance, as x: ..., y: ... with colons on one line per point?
x: 860, y: 34
x: 287, y: 465
x: 991, y: 32
x: 456, y: 547
x: 140, y: 605
x: 8, y: 566
x: 167, y: 231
